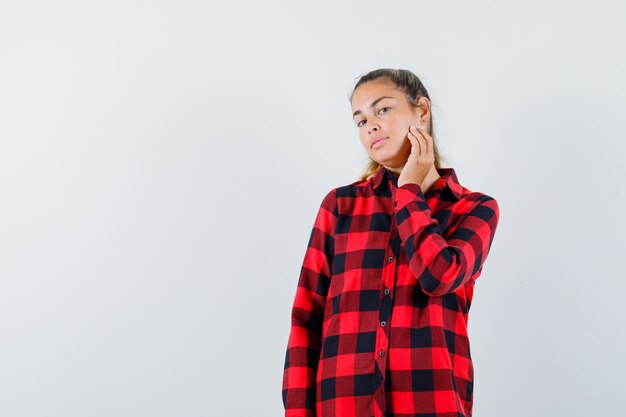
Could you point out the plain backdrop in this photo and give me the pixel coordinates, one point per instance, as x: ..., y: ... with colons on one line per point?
x: 161, y: 165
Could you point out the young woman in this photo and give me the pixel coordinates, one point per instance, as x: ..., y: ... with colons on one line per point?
x: 379, y: 319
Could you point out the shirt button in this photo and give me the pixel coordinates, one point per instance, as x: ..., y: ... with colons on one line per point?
x: 383, y: 323
x: 395, y: 204
x: 386, y: 290
x: 382, y: 353
x: 390, y: 259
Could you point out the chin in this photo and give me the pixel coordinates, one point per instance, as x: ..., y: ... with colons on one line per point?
x: 389, y: 159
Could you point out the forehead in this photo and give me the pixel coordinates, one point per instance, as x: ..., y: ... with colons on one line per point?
x: 370, y: 91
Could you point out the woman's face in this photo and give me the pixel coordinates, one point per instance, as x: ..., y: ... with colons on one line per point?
x: 382, y: 111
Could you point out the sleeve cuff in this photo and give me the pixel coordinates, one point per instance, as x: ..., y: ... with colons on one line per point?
x: 406, y: 194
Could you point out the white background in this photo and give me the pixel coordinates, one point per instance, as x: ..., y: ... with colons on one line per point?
x: 161, y: 164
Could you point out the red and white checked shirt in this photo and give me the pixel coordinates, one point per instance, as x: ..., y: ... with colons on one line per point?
x: 379, y: 319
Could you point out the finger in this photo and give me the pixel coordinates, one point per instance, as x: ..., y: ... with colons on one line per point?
x: 416, y: 143
x: 426, y: 138
x: 422, y: 143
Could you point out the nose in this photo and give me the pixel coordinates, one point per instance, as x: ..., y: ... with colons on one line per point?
x: 373, y: 127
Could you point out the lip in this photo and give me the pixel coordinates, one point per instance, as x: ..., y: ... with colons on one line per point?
x: 376, y: 140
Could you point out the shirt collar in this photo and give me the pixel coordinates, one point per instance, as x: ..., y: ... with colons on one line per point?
x: 447, y: 178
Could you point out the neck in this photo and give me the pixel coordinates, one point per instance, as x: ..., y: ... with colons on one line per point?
x: 428, y: 182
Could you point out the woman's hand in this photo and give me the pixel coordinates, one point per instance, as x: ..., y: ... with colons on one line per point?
x: 420, y: 160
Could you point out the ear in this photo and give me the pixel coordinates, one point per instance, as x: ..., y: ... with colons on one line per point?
x: 423, y: 108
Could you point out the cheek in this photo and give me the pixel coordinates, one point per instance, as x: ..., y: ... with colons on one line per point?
x: 400, y: 135
x: 402, y: 143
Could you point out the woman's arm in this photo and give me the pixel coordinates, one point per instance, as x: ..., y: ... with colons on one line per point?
x: 305, y: 337
x: 443, y: 265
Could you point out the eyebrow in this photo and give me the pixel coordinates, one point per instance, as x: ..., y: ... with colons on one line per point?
x: 371, y: 105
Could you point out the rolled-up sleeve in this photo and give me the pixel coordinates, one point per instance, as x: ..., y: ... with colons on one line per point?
x: 444, y: 264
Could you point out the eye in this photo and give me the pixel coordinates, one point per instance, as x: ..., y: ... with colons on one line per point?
x: 383, y: 108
